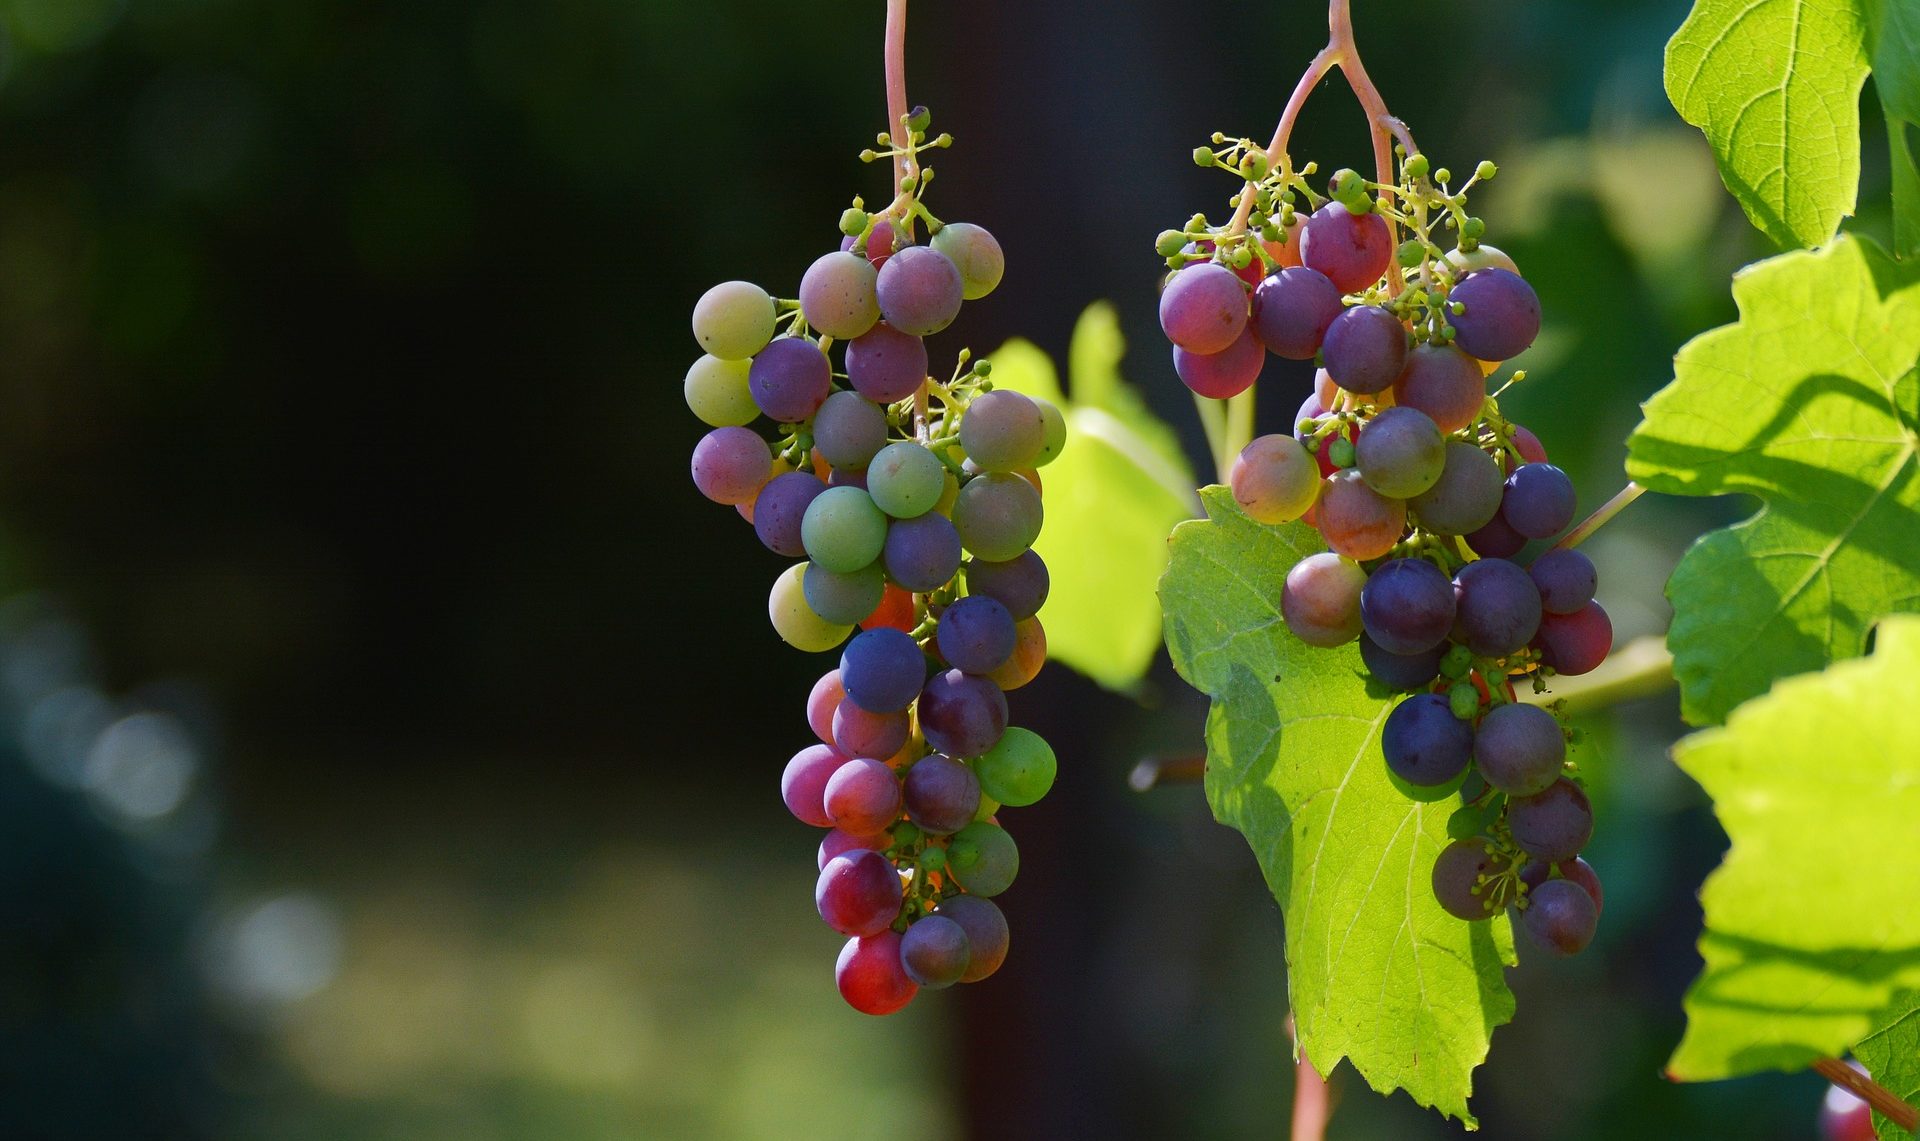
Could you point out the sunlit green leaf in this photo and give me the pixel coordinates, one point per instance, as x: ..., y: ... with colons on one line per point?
x: 1378, y: 973
x: 1810, y: 923
x: 1808, y: 402
x: 1891, y: 1055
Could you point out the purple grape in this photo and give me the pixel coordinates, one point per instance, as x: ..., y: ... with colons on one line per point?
x: 1225, y: 374
x: 1552, y: 824
x: 841, y: 477
x: 1497, y: 607
x: 836, y: 842
x: 1457, y: 873
x: 920, y: 291
x: 986, y: 929
x: 837, y: 296
x: 1560, y: 917
x: 822, y: 700
x: 1351, y: 249
x: 803, y: 786
x: 922, y: 553
x: 882, y: 670
x: 885, y: 365
x: 1002, y: 430
x: 962, y: 715
x: 782, y: 505
x: 1539, y: 501
x: 790, y: 379
x: 1566, y: 579
x: 849, y: 430
x: 942, y: 794
x: 1575, y: 643
x: 1204, y: 308
x: 934, y: 952
x: 858, y: 893
x: 1320, y: 599
x: 862, y: 796
x: 1292, y: 309
x: 1020, y: 584
x: 1400, y: 453
x: 1519, y: 749
x: 1496, y: 540
x: 858, y: 733
x: 869, y: 974
x: 1501, y: 317
x: 1466, y: 497
x: 1407, y: 606
x: 1401, y: 671
x: 1443, y: 382
x: 731, y: 464
x: 1365, y: 349
x: 879, y: 245
x: 1575, y: 871
x: 976, y: 635
x: 1424, y: 743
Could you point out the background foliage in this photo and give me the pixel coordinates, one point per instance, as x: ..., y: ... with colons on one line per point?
x: 340, y: 345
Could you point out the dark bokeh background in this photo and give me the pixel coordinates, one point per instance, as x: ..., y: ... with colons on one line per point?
x: 389, y: 732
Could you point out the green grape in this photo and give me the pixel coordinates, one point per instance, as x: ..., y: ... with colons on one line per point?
x: 1056, y: 433
x: 998, y: 516
x: 842, y: 530
x: 906, y: 480
x: 1018, y: 770
x: 975, y: 253
x: 795, y: 621
x: 733, y: 320
x: 717, y: 392
x: 844, y: 598
x: 983, y: 858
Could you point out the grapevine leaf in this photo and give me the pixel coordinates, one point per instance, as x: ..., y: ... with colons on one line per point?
x: 1111, y: 497
x: 1891, y: 1055
x: 1896, y: 76
x: 1377, y: 972
x: 1775, y: 84
x: 1809, y: 926
x: 1808, y: 402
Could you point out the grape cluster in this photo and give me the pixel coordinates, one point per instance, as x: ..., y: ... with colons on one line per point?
x: 913, y: 506
x: 1426, y: 495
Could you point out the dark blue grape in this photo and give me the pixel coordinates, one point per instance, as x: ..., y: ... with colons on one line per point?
x: 782, y: 505
x: 790, y: 379
x: 1560, y: 917
x: 1501, y: 317
x: 1020, y: 584
x: 1291, y: 311
x: 1539, y: 500
x: 1467, y: 495
x: 934, y: 952
x: 962, y: 715
x: 1203, y: 308
x: 1401, y: 671
x: 986, y: 929
x: 885, y: 365
x: 1407, y: 606
x: 882, y: 670
x: 1519, y: 749
x: 919, y: 290
x: 1365, y: 349
x: 1425, y: 744
x: 1496, y: 540
x: 1553, y: 824
x: 1566, y: 579
x: 922, y: 553
x: 976, y: 635
x: 1498, y: 607
x: 942, y: 794
x: 1456, y: 876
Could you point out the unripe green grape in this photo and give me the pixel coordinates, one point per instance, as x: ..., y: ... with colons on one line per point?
x: 1416, y: 166
x: 1169, y: 243
x: 988, y: 806
x: 983, y: 859
x: 853, y: 221
x: 1463, y: 700
x: 1056, y: 433
x: 1457, y: 662
x: 977, y: 255
x: 733, y: 320
x: 998, y: 516
x: 1018, y: 770
x: 1340, y: 452
x: 1203, y: 156
x: 843, y: 599
x: 906, y: 480
x: 717, y: 392
x: 842, y: 530
x: 1485, y: 170
x: 795, y: 621
x: 1410, y: 254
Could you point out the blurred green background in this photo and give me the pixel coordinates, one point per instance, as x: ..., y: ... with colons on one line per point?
x: 389, y: 733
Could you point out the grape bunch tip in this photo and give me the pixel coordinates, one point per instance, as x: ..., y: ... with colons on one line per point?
x: 1425, y: 495
x: 914, y: 505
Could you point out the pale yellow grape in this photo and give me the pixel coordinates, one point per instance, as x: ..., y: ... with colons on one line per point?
x: 795, y: 622
x: 717, y: 392
x: 1275, y: 479
x: 1483, y: 256
x: 733, y: 320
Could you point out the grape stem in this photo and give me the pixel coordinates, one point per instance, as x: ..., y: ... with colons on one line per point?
x: 1869, y: 1091
x: 896, y: 63
x: 1600, y: 517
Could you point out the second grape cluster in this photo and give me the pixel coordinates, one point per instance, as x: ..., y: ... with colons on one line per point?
x: 1426, y: 496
